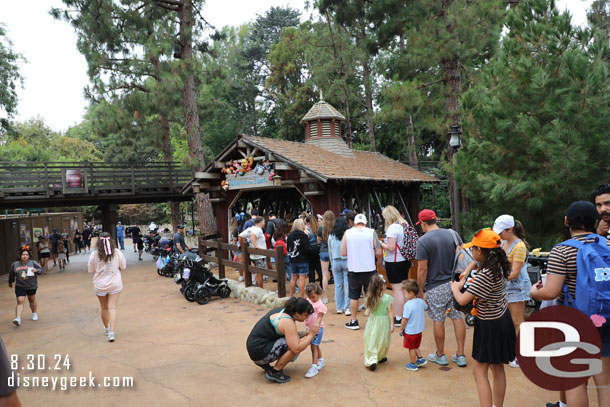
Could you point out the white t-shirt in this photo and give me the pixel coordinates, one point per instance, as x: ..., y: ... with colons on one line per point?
x: 260, y: 242
x: 394, y: 231
x: 360, y: 249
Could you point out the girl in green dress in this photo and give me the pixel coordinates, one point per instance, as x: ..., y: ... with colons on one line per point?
x: 380, y: 324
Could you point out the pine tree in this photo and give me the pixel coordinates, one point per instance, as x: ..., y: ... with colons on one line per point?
x: 10, y: 78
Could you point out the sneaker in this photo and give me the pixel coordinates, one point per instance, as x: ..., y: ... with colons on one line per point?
x: 240, y: 278
x: 34, y: 316
x: 277, y: 376
x: 514, y: 363
x: 412, y: 367
x: 352, y: 325
x: 460, y: 360
x: 435, y: 358
x: 17, y: 321
x: 110, y: 336
x: 321, y: 363
x: 558, y: 404
x: 421, y: 362
x: 383, y: 360
x: 348, y: 312
x: 106, y: 331
x: 397, y: 322
x: 373, y: 367
x: 266, y: 367
x: 339, y: 311
x: 313, y: 371
x: 362, y: 307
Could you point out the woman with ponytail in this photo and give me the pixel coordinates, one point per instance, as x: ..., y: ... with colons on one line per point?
x: 493, y: 343
x: 107, y: 262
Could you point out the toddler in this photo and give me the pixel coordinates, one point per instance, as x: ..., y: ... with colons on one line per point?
x: 413, y: 323
x: 314, y: 292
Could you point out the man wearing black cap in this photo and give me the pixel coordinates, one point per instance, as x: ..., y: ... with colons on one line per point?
x: 179, y: 242
x: 580, y: 218
x: 601, y: 198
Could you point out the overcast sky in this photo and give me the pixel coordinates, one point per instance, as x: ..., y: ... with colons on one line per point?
x: 56, y: 73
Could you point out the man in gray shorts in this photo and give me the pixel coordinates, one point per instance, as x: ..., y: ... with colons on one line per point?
x: 435, y: 255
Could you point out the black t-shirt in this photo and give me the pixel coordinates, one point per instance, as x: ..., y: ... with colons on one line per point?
x: 135, y: 233
x: 262, y: 337
x: 86, y: 234
x: 55, y: 237
x: 298, y: 247
x: 77, y: 237
x: 271, y: 225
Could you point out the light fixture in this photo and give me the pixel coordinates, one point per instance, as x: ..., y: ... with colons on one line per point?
x: 196, y: 187
x: 277, y: 181
x: 455, y: 141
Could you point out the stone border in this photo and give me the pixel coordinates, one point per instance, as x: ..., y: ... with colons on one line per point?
x: 256, y: 295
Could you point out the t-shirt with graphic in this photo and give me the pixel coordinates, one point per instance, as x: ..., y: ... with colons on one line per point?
x: 318, y: 308
x: 24, y: 274
x: 413, y: 311
x: 298, y: 247
x: 490, y: 294
x: 394, y: 231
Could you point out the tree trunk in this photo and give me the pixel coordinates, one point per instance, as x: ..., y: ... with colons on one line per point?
x: 368, y: 96
x: 411, y: 141
x: 196, y: 159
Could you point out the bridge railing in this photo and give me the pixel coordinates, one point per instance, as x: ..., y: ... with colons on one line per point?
x: 96, y: 178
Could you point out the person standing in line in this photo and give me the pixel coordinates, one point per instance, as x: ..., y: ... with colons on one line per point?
x: 315, y: 268
x: 298, y: 251
x: 24, y: 274
x: 44, y: 253
x: 519, y: 285
x: 601, y: 199
x: 257, y: 240
x: 120, y: 235
x: 339, y: 265
x: 241, y: 219
x: 562, y: 271
x: 107, y: 262
x: 250, y: 218
x: 328, y: 221
x: 396, y: 265
x: 380, y: 325
x: 435, y: 255
x: 360, y: 245
x: 279, y: 237
x: 494, y: 338
x: 412, y: 324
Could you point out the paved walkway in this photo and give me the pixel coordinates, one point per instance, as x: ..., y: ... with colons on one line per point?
x: 184, y: 354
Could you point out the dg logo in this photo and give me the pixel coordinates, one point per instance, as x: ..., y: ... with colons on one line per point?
x: 559, y: 348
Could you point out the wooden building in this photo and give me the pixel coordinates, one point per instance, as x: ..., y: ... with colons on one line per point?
x: 320, y: 174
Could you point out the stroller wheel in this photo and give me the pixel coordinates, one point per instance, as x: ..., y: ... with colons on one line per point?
x: 224, y: 291
x: 160, y: 272
x: 169, y: 272
x: 189, y: 293
x: 469, y: 319
x: 202, y: 296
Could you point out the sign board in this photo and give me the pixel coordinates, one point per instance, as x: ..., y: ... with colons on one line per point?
x: 248, y: 181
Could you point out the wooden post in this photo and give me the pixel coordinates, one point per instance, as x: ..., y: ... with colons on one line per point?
x: 281, y: 274
x: 219, y: 255
x: 243, y: 245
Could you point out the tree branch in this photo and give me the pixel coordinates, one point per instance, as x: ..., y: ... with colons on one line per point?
x: 424, y: 85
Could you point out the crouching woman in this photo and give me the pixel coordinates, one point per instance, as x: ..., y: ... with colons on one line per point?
x: 275, y: 338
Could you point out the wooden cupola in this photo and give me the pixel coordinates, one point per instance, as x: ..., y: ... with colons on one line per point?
x: 323, y: 128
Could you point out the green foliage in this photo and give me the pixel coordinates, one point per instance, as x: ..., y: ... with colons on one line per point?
x: 535, y: 135
x: 9, y: 78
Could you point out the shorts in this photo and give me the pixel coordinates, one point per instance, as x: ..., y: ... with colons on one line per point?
x: 440, y: 303
x: 604, y: 333
x: 518, y: 290
x: 44, y: 255
x: 299, y: 269
x: 103, y: 294
x: 22, y: 292
x: 358, y: 281
x: 324, y: 256
x: 62, y: 256
x: 397, y: 271
x: 317, y: 340
x: 260, y: 263
x: 279, y: 348
x: 412, y: 341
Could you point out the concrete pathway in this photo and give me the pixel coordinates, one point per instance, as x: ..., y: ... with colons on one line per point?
x: 184, y: 354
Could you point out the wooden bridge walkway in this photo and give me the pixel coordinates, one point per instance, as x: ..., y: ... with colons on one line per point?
x: 46, y: 184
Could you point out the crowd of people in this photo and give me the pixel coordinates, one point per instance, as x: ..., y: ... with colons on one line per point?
x: 496, y: 286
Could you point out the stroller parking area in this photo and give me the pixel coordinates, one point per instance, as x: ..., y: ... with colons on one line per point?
x: 180, y: 353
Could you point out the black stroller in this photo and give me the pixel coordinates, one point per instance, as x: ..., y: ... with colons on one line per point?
x: 197, y: 281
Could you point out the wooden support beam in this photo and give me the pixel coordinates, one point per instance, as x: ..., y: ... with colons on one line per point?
x: 207, y: 175
x: 219, y: 164
x: 281, y: 166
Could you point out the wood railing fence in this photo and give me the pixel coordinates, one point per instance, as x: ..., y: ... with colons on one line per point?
x: 221, y: 252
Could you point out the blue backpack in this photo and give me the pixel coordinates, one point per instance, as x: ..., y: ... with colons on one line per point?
x: 592, y: 277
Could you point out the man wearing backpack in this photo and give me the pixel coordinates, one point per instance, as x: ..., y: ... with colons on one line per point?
x: 563, y: 270
x: 435, y: 257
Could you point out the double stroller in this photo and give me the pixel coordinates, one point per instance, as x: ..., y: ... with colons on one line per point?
x: 197, y: 281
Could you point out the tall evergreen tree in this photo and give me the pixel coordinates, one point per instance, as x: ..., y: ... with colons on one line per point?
x: 10, y: 78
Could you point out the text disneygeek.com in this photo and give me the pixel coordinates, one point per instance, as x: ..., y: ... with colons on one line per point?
x: 63, y: 383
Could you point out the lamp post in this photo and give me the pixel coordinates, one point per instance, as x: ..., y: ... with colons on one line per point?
x: 455, y: 142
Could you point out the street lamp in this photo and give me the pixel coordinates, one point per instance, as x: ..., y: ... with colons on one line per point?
x: 455, y: 139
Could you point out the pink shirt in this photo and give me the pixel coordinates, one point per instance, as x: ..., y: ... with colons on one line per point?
x: 107, y: 277
x: 318, y: 308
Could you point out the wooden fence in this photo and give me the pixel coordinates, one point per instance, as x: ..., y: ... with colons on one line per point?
x: 220, y: 257
x: 35, y: 179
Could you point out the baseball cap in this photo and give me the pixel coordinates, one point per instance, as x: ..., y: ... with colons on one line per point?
x: 118, y: 223
x: 503, y: 222
x: 180, y: 226
x: 360, y: 218
x: 425, y: 214
x: 485, y: 238
x: 581, y: 210
x: 344, y: 212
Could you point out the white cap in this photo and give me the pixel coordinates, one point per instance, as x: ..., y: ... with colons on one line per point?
x: 360, y: 218
x: 503, y: 222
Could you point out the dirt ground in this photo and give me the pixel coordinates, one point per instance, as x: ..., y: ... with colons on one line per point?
x: 184, y: 354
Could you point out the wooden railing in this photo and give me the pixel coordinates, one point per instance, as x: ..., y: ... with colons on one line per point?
x: 37, y: 179
x: 221, y: 258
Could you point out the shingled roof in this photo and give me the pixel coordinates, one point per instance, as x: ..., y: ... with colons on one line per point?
x: 322, y: 110
x: 326, y: 165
